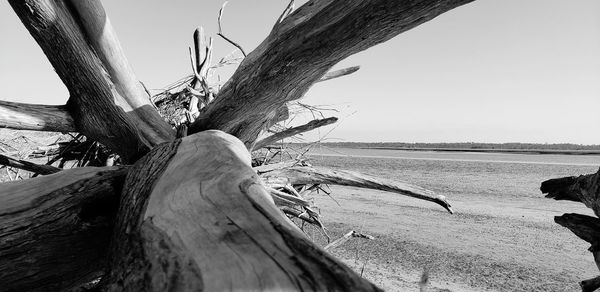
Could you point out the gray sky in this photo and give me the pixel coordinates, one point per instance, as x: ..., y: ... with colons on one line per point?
x: 490, y: 71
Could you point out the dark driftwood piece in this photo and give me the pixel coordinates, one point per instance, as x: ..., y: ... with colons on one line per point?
x: 212, y: 228
x: 300, y: 50
x: 319, y: 175
x: 314, y: 124
x: 28, y: 166
x: 583, y: 188
x: 55, y: 229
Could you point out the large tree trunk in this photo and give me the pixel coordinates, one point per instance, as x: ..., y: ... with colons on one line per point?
x: 193, y: 214
x: 213, y: 228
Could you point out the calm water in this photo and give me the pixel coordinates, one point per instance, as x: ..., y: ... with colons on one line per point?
x: 461, y: 173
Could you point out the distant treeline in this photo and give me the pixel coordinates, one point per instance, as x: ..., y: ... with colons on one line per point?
x: 464, y: 145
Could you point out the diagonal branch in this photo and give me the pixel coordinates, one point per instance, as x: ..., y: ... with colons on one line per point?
x: 107, y: 102
x: 320, y: 175
x: 300, y: 50
x: 220, y: 33
x: 294, y: 131
x: 28, y: 166
x: 23, y: 116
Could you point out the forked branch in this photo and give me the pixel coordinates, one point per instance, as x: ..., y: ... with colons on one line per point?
x: 300, y: 50
x: 107, y: 102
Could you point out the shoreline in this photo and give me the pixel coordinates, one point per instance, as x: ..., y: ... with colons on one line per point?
x: 483, y: 150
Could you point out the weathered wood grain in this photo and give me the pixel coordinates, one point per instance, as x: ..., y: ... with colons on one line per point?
x: 23, y: 116
x: 182, y: 227
x: 583, y: 188
x: 106, y: 101
x: 55, y: 229
x: 300, y: 50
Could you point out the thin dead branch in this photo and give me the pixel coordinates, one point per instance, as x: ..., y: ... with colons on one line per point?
x: 220, y: 33
x: 28, y: 166
x: 346, y: 237
x: 319, y: 175
x: 295, y: 131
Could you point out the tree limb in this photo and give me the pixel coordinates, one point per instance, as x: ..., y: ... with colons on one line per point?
x: 23, y: 116
x: 294, y: 131
x: 320, y: 175
x: 28, y: 166
x: 107, y: 102
x: 55, y: 229
x: 300, y: 50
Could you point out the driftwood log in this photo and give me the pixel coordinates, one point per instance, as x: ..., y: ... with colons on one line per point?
x: 584, y: 189
x: 191, y: 214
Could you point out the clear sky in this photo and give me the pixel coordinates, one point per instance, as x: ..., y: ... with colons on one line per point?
x: 490, y: 71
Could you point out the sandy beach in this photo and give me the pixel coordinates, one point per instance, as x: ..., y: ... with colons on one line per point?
x: 502, y: 236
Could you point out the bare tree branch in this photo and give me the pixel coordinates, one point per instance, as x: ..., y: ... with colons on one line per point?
x: 300, y: 50
x: 294, y: 131
x: 221, y: 31
x: 320, y: 175
x: 28, y: 166
x: 23, y: 116
x: 107, y: 102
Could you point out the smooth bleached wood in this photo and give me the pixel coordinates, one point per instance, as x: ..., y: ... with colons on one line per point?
x: 23, y: 116
x: 195, y: 217
x: 339, y: 73
x: 320, y: 175
x: 106, y: 102
x: 55, y: 229
x: 300, y: 50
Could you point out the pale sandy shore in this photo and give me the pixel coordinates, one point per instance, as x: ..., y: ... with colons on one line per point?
x: 505, y: 245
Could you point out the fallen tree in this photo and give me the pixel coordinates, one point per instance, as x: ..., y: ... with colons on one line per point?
x: 190, y: 213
